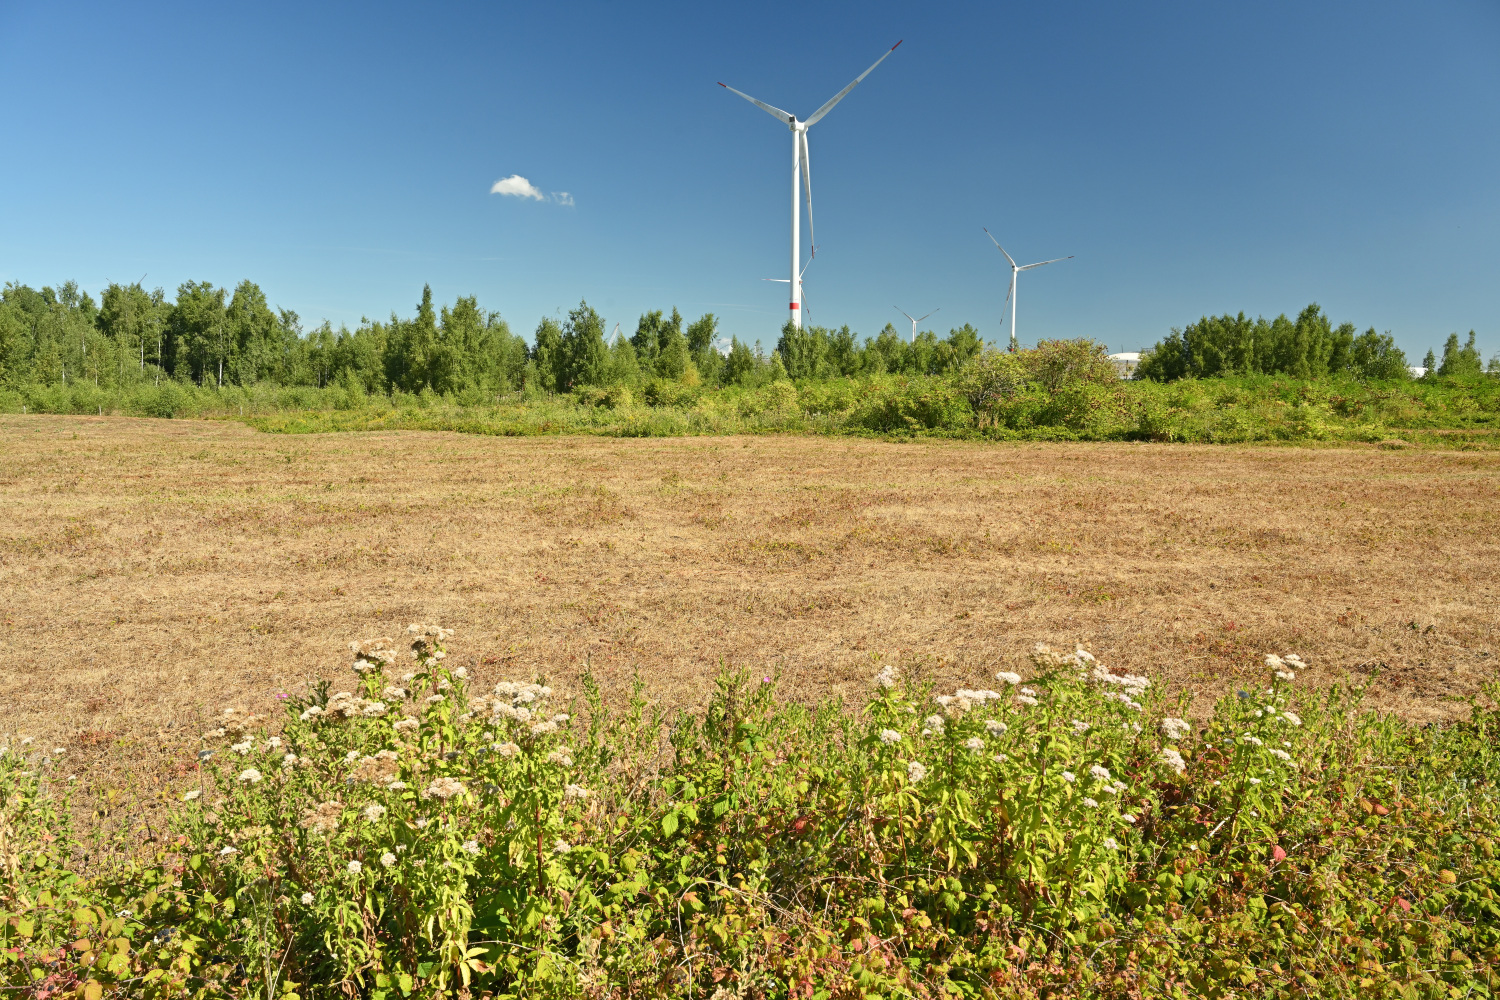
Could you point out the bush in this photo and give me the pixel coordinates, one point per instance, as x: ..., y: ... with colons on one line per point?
x: 1056, y: 364
x: 1066, y: 835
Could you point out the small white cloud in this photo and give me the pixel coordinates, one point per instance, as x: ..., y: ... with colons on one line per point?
x: 562, y: 197
x: 518, y: 187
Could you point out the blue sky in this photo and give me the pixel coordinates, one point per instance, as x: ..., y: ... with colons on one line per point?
x: 1195, y: 157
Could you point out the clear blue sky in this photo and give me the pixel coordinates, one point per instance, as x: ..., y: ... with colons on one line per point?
x: 1196, y: 157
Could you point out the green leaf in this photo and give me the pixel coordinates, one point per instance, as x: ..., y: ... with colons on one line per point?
x: 669, y: 823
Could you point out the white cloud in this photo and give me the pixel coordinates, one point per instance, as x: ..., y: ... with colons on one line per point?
x: 518, y: 187
x: 562, y: 197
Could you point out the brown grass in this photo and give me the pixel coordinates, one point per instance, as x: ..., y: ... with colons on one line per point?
x: 153, y: 572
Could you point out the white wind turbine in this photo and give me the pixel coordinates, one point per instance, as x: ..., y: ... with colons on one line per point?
x: 801, y: 173
x: 915, y: 321
x: 1016, y: 269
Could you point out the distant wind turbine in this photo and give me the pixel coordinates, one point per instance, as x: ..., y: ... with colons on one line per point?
x: 802, y: 172
x: 914, y: 322
x: 1015, y: 270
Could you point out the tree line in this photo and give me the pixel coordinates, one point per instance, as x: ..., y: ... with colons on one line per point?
x: 1308, y: 347
x: 208, y: 336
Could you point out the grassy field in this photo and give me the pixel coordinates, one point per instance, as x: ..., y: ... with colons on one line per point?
x: 156, y: 571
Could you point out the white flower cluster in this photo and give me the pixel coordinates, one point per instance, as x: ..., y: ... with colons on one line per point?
x: 345, y: 705
x: 575, y: 793
x: 890, y: 737
x: 888, y: 677
x: 1173, y: 759
x: 1008, y: 677
x: 518, y: 702
x: 932, y: 725
x: 1175, y: 729
x: 995, y: 727
x: 916, y: 771
x: 964, y: 699
x: 373, y: 654
x: 443, y: 788
x: 1286, y: 667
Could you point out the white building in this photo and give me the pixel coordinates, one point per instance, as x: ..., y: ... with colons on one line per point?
x: 1126, y: 363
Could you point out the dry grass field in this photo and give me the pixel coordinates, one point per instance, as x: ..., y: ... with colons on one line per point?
x: 153, y: 572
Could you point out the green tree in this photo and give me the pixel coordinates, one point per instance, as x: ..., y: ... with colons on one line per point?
x: 194, y: 341
x: 1460, y: 362
x: 1375, y: 356
x: 585, y: 356
x: 672, y: 355
x: 740, y: 365
x: 547, y: 355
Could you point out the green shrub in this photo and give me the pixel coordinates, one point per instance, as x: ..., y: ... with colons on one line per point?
x: 1067, y: 835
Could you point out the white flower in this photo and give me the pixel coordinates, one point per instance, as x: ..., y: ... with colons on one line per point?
x: 355, y: 868
x: 1111, y: 843
x: 560, y: 757
x: 433, y: 699
x: 351, y: 756
x: 443, y: 788
x: 915, y: 771
x: 387, y: 859
x: 1273, y: 661
x: 190, y: 796
x: 507, y: 749
x: 1291, y: 717
x: 1280, y: 754
x: 471, y: 846
x: 999, y: 758
x: 1010, y: 678
x: 373, y: 709
x: 243, y: 748
x: 422, y: 823
x: 406, y: 725
x: 1025, y: 699
x: 1029, y: 692
x: 1252, y: 739
x: 561, y: 717
x: 461, y: 673
x: 1254, y: 781
x: 995, y: 727
x: 934, y: 722
x: 887, y: 677
x: 1175, y: 729
x: 1173, y: 759
x: 1286, y: 675
x: 226, y: 852
x: 543, y: 728
x: 289, y: 761
x: 562, y: 847
x: 575, y: 793
x: 1127, y: 817
x: 974, y: 743
x: 250, y: 776
x: 307, y: 899
x: 889, y: 737
x: 374, y: 811
x: 1091, y: 803
x: 396, y: 786
x: 273, y: 743
x: 1079, y: 726
x: 1069, y: 777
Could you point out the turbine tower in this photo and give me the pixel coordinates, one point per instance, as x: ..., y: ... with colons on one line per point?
x: 1016, y: 269
x: 915, y: 321
x: 802, y: 173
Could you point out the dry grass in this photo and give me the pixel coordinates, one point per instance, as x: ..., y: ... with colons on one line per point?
x: 156, y: 571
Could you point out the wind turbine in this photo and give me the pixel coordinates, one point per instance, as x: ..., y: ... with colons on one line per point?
x: 802, y: 173
x: 1016, y: 269
x: 914, y: 322
x: 805, y: 300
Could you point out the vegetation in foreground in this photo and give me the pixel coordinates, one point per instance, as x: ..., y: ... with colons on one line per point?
x: 1065, y: 835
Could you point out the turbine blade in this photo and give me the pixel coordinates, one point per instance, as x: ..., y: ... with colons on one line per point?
x: 937, y: 310
x: 785, y: 281
x: 1000, y: 248
x: 816, y: 115
x: 1054, y: 260
x: 768, y: 109
x: 807, y: 179
x: 906, y: 314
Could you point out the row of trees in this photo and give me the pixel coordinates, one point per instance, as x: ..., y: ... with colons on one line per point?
x: 1308, y: 347
x: 208, y: 336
